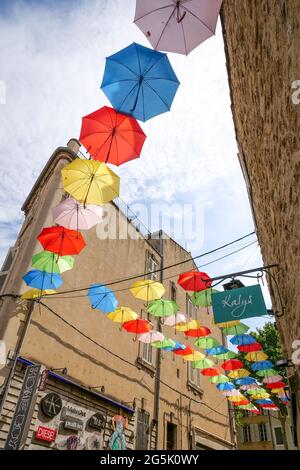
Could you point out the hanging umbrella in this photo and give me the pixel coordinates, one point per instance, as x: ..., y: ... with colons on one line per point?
x: 177, y: 319
x: 266, y: 373
x: 264, y: 401
x: 166, y: 343
x: 210, y: 372
x: 198, y: 332
x: 122, y: 314
x: 196, y: 356
x: 242, y: 402
x: 225, y: 386
x: 232, y: 393
x: 151, y: 337
x: 175, y: 347
x: 249, y: 407
x: 74, y: 215
x: 162, y: 308
x: 259, y: 390
x: 36, y: 293
x: 246, y: 381
x: 232, y: 364
x: 256, y: 356
x: 219, y: 379
x: 177, y: 26
x: 137, y: 326
x: 227, y: 324
x: 47, y: 261
x: 238, y: 373
x: 261, y: 365
x: 204, y: 364
x: 278, y: 384
x: 260, y: 396
x: 111, y: 137
x: 102, y: 298
x: 216, y: 350
x: 61, y: 240
x: 225, y: 356
x: 90, y: 181
x: 194, y: 281
x: 147, y: 290
x: 253, y: 386
x: 140, y: 82
x: 236, y: 329
x: 206, y: 342
x: 238, y: 399
x: 242, y: 339
x: 203, y: 298
x: 191, y: 325
x: 249, y: 347
x: 42, y: 280
x: 184, y: 352
x: 278, y: 391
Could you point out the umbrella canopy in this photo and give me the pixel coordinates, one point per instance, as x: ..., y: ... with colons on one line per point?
x: 242, y: 339
x: 236, y: 329
x: 264, y: 401
x: 177, y: 26
x: 225, y: 356
x: 204, y: 364
x: 232, y: 364
x: 253, y: 386
x: 266, y: 373
x: 194, y: 281
x: 227, y: 324
x: 102, y: 298
x: 122, y: 314
x: 233, y: 393
x: 162, y: 308
x: 196, y: 356
x: 238, y: 399
x: 259, y: 390
x: 147, y: 290
x: 175, y: 347
x: 48, y: 261
x: 256, y: 356
x: 61, y: 240
x: 262, y: 365
x: 206, y: 342
x: 210, y: 372
x: 191, y: 325
x: 238, y: 373
x: 166, y: 343
x: 241, y: 402
x: 140, y: 82
x: 249, y: 347
x: 90, y: 181
x: 173, y: 320
x: 260, y: 396
x: 151, y: 337
x: 203, y: 298
x: 278, y: 384
x: 198, y: 332
x: 217, y: 350
x: 184, y: 352
x: 74, y: 215
x: 42, y: 280
x: 137, y: 326
x: 246, y: 381
x: 111, y: 137
x: 36, y: 293
x: 219, y: 379
x: 225, y: 387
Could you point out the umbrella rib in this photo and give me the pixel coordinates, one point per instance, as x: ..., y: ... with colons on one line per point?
x: 128, y: 95
x: 163, y: 101
x: 122, y: 137
x: 199, y: 19
x: 164, y: 28
x: 126, y: 66
x: 138, y: 57
x: 153, y: 11
x: 161, y: 56
x: 95, y: 120
x: 184, y: 38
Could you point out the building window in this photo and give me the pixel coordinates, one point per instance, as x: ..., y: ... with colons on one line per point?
x: 191, y: 309
x: 6, y: 267
x: 171, y: 436
x: 173, y: 291
x: 151, y: 267
x: 193, y: 375
x: 142, y: 430
x: 247, y: 434
x: 278, y: 436
x: 263, y: 434
x: 145, y: 349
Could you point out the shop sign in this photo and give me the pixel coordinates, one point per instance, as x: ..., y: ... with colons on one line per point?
x: 45, y: 434
x: 51, y: 405
x: 73, y: 411
x: 43, y: 381
x: 236, y: 304
x: 73, y: 424
x: 97, y: 421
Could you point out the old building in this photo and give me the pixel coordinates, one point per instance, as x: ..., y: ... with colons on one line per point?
x: 98, y: 372
x: 262, y: 40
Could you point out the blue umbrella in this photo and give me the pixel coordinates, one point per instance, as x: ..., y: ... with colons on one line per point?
x: 262, y: 365
x: 225, y: 387
x: 264, y: 401
x: 140, y: 82
x: 239, y: 340
x: 176, y: 347
x: 217, y: 350
x: 42, y: 280
x: 245, y: 381
x: 102, y: 298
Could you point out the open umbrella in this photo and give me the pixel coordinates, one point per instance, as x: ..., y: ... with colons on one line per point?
x: 236, y: 329
x: 246, y: 381
x: 177, y: 26
x: 225, y: 356
x: 210, y: 372
x: 140, y: 82
x: 184, y: 352
x: 90, y: 181
x: 240, y: 402
x: 238, y: 373
x: 253, y: 386
x: 232, y: 364
x: 204, y: 364
x: 206, y: 342
x: 203, y: 298
x: 261, y: 365
x: 48, y: 261
x: 166, y: 343
x: 278, y: 384
x: 242, y: 339
x: 111, y: 137
x: 219, y: 379
x: 61, y: 240
x: 249, y: 347
x: 42, y: 280
x: 174, y: 347
x: 190, y: 325
x: 151, y: 337
x: 227, y: 324
x: 201, y: 331
x: 162, y: 308
x: 36, y: 293
x: 177, y: 319
x: 102, y: 298
x: 74, y: 215
x: 256, y: 356
x: 194, y: 281
x: 122, y: 314
x: 217, y: 350
x: 137, y: 326
x: 147, y: 290
x: 266, y: 372
x: 196, y: 356
x: 225, y: 386
x: 272, y: 379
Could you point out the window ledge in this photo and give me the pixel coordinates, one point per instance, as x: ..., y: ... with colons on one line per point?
x: 195, y: 389
x: 141, y: 364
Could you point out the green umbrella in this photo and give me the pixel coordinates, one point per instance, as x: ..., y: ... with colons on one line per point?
x: 239, y: 329
x: 166, y: 343
x: 203, y: 298
x: 206, y: 342
x: 51, y: 263
x: 219, y: 379
x: 256, y: 391
x: 266, y: 373
x: 225, y: 356
x: 204, y: 364
x: 163, y: 308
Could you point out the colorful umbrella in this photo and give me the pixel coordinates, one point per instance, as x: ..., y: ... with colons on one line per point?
x: 147, y: 290
x: 175, y: 347
x: 236, y: 329
x: 239, y: 399
x: 259, y: 390
x: 122, y: 314
x: 36, y: 293
x: 203, y: 298
x: 140, y: 82
x: 266, y: 373
x: 151, y: 337
x: 232, y: 364
x: 249, y: 347
x: 219, y: 379
x: 278, y: 384
x: 233, y: 393
x: 227, y: 324
x: 166, y: 343
x: 61, y: 240
x: 256, y: 356
x: 102, y: 298
x: 260, y: 396
x: 225, y: 356
x: 238, y: 373
x: 246, y: 381
x: 278, y: 390
x: 194, y: 281
x: 217, y: 350
x: 210, y: 372
x: 48, y: 261
x: 137, y: 326
x: 261, y: 365
x: 191, y: 325
x: 196, y: 356
x: 42, y: 280
x: 206, y: 342
x: 162, y: 308
x: 204, y: 364
x: 74, y: 215
x: 173, y: 320
x: 90, y: 182
x: 177, y: 26
x: 264, y: 401
x: 253, y: 386
x: 242, y: 402
x: 184, y: 352
x: 222, y: 387
x: 111, y: 137
x: 198, y: 332
x: 242, y: 339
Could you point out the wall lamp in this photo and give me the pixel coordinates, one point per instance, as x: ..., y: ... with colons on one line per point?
x: 63, y: 370
x: 101, y: 387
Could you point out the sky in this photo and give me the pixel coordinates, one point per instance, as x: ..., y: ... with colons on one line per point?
x: 51, y: 66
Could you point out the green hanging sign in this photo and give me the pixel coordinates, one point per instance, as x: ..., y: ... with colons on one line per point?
x: 237, y: 304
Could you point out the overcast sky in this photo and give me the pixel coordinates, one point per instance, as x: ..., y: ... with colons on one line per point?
x: 51, y: 64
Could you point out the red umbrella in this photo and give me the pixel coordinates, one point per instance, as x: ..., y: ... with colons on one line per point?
x: 197, y: 333
x: 249, y: 347
x: 269, y: 406
x: 240, y: 403
x: 111, y: 137
x: 137, y: 326
x: 184, y: 352
x: 61, y: 240
x: 194, y: 281
x: 232, y: 364
x: 279, y: 384
x: 210, y: 372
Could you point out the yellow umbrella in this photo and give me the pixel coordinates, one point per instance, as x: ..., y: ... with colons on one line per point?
x: 278, y: 390
x: 260, y: 396
x: 196, y: 356
x: 36, y: 293
x: 122, y: 314
x: 237, y: 398
x: 191, y: 325
x: 147, y: 290
x: 256, y: 356
x: 90, y: 181
x: 228, y: 323
x: 238, y: 373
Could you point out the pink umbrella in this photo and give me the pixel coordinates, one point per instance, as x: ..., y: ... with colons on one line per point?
x: 151, y: 337
x: 174, y: 320
x: 272, y: 379
x: 250, y: 387
x: 177, y: 26
x: 73, y: 215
